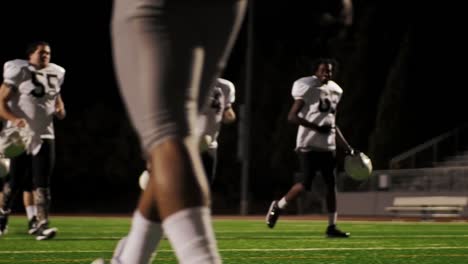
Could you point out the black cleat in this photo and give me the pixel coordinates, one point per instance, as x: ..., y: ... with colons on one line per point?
x: 273, y: 214
x: 45, y: 232
x: 33, y: 226
x: 333, y: 232
x: 4, y: 221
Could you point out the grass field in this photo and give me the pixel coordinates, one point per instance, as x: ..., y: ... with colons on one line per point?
x: 82, y: 239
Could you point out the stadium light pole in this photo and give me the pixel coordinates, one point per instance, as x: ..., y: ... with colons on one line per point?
x: 246, y: 112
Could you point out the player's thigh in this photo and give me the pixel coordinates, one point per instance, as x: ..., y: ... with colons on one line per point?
x: 43, y: 164
x: 20, y: 167
x: 309, y: 167
x: 221, y: 24
x: 328, y: 167
x: 165, y: 63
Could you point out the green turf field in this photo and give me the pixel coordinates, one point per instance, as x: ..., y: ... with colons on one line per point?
x: 82, y: 239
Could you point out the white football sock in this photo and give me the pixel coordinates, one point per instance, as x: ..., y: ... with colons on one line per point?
x: 332, y: 218
x: 30, y: 211
x: 282, y: 203
x: 141, y: 242
x: 191, y: 234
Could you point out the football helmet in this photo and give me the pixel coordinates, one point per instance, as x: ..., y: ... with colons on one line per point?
x: 358, y: 166
x: 14, y: 141
x: 4, y: 167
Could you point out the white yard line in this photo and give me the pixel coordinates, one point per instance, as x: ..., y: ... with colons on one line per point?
x: 244, y: 250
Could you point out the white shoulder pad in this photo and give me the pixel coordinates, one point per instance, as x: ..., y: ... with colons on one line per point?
x: 303, y: 86
x: 333, y: 85
x: 59, y: 70
x: 228, y: 89
x: 12, y: 71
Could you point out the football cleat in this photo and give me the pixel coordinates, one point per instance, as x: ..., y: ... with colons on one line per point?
x: 4, y: 221
x: 32, y: 226
x: 334, y: 232
x: 273, y: 214
x: 44, y: 232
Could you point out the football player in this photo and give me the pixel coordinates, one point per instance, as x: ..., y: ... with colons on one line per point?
x: 30, y: 96
x: 218, y: 110
x: 168, y: 54
x: 316, y: 99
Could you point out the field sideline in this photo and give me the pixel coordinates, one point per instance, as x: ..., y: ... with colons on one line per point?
x: 248, y: 240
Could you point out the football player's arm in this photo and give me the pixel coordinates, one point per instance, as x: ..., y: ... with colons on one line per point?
x: 5, y: 112
x: 293, y: 117
x: 342, y: 142
x: 60, y: 108
x: 229, y: 116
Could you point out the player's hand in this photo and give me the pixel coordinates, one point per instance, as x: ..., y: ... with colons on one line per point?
x: 351, y: 151
x: 60, y: 113
x: 20, y: 122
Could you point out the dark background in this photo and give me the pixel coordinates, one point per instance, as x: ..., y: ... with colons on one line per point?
x: 402, y: 68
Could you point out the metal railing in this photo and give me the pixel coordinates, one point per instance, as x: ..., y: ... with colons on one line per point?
x: 443, y: 179
x: 432, y: 151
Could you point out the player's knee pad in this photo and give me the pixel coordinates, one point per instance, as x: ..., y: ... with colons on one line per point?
x: 41, y: 196
x: 6, y: 190
x: 7, y: 195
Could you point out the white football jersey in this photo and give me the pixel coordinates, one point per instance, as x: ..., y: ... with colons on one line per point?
x: 220, y: 99
x: 320, y: 104
x: 35, y: 94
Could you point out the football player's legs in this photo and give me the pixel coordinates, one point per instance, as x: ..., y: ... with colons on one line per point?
x: 147, y: 204
x: 28, y: 202
x: 28, y: 198
x: 2, y: 182
x: 42, y: 167
x: 187, y: 222
x: 170, y: 59
x: 308, y: 166
x: 209, y: 162
x: 197, y: 58
x: 18, y: 176
x: 18, y: 168
x: 155, y: 99
x: 328, y: 165
x: 127, y: 26
x: 27, y: 190
x: 303, y: 181
x: 161, y: 62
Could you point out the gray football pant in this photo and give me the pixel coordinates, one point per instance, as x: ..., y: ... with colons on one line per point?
x: 167, y: 55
